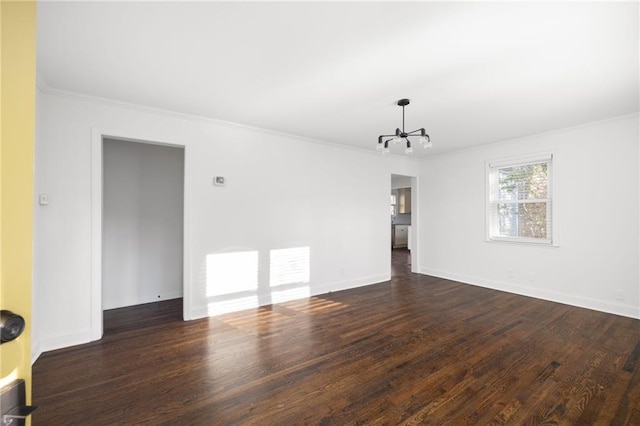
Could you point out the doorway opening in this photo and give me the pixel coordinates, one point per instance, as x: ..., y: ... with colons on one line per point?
x: 403, y: 207
x: 400, y: 262
x: 141, y: 241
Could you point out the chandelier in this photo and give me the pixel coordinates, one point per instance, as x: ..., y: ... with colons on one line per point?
x: 403, y: 137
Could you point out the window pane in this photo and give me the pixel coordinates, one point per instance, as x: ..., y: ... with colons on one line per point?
x: 522, y: 219
x: 519, y: 200
x: 526, y: 182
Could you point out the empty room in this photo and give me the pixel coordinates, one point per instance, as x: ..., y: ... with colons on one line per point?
x: 327, y: 213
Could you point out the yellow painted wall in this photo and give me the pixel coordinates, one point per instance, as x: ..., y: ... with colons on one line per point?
x: 17, y: 130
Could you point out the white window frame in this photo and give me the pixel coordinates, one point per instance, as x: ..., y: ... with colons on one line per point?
x: 491, y: 170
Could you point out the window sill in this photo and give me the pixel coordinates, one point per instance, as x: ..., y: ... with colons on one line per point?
x: 523, y: 242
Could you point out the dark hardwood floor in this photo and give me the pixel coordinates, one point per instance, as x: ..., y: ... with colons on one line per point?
x: 415, y: 350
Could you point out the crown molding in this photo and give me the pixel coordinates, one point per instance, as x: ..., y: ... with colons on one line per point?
x: 46, y: 89
x: 537, y: 135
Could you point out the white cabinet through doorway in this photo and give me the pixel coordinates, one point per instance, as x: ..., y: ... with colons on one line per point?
x: 400, y: 235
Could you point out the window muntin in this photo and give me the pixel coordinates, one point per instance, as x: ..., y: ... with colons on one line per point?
x: 519, y: 205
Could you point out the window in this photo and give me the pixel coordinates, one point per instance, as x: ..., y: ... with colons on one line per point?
x: 393, y: 205
x: 519, y: 204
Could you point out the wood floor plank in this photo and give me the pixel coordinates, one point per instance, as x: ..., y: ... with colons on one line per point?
x: 414, y: 350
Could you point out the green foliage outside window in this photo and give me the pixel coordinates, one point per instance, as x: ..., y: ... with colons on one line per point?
x: 522, y: 195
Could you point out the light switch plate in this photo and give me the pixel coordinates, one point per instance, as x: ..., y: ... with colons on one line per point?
x: 44, y: 199
x: 218, y: 181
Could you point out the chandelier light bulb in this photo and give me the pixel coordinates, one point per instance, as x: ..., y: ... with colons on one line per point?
x: 428, y: 144
x: 409, y: 149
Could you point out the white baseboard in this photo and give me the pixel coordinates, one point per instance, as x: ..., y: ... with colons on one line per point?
x: 622, y: 309
x: 315, y: 290
x: 35, y: 351
x: 168, y: 296
x: 346, y: 285
x: 62, y: 341
x: 78, y: 337
x: 198, y: 312
x: 145, y: 300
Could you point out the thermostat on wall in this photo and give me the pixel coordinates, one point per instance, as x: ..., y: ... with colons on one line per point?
x: 218, y: 181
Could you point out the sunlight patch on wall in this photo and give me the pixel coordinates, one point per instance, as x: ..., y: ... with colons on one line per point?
x: 218, y: 307
x: 233, y: 281
x: 229, y: 273
x: 289, y: 266
x: 289, y: 270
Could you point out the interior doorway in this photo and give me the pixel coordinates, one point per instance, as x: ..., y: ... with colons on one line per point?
x: 403, y: 200
x: 142, y: 224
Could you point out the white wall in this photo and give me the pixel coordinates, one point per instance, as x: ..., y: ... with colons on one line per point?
x: 596, y: 207
x: 281, y: 192
x: 142, y: 223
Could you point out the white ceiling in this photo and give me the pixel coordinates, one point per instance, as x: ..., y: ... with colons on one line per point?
x: 476, y: 73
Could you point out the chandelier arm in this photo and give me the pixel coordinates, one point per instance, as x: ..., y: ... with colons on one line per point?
x: 386, y: 136
x: 415, y: 131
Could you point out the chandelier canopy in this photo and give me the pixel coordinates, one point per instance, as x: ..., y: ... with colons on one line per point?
x: 401, y: 136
